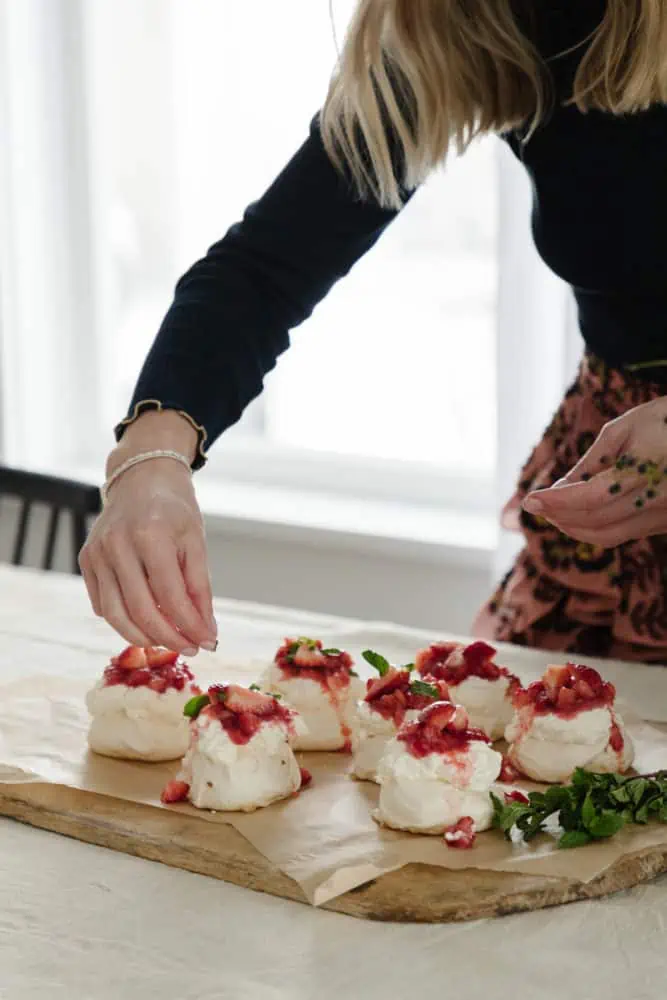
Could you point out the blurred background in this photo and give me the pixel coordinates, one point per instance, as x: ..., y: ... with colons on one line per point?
x: 367, y: 479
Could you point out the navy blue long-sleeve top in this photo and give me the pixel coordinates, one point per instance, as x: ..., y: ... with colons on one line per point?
x: 599, y: 222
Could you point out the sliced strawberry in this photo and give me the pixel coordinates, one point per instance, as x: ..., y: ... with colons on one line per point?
x: 566, y: 699
x: 517, y: 796
x: 393, y: 680
x: 593, y: 680
x: 138, y: 678
x: 555, y: 678
x: 175, y: 791
x: 445, y: 715
x: 131, y: 658
x: 461, y: 835
x: 434, y: 656
x: 158, y: 657
x: 306, y: 777
x: 241, y: 700
x: 158, y: 683
x: 583, y: 690
x: 217, y: 693
x: 478, y: 655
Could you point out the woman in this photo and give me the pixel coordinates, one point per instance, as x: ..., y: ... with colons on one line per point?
x: 579, y: 94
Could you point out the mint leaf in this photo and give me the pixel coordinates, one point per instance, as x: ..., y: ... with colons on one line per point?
x: 331, y: 652
x: 377, y: 661
x: 193, y: 707
x: 589, y: 813
x: 637, y: 787
x: 421, y: 687
x: 606, y: 824
x: 574, y: 838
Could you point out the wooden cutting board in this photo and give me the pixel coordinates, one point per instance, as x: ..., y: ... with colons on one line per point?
x: 416, y: 893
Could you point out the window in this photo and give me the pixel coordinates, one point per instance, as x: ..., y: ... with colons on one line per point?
x: 146, y: 127
x: 196, y: 105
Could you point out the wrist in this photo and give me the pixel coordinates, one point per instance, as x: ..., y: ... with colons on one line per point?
x: 152, y: 431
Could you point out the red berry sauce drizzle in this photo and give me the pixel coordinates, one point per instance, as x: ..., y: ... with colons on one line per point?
x: 154, y: 668
x: 442, y: 728
x: 454, y: 663
x: 390, y: 695
x: 566, y: 691
x: 331, y: 669
x: 242, y: 712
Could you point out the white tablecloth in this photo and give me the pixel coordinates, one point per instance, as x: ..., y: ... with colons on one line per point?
x: 81, y: 923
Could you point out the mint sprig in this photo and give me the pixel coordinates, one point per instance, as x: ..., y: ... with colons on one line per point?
x: 421, y: 687
x: 193, y: 707
x: 377, y: 661
x: 592, y: 807
x: 381, y: 664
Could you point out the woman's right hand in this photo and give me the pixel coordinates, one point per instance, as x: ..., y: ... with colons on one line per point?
x: 145, y: 563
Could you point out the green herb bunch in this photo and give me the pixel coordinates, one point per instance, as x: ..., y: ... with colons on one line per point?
x: 592, y: 807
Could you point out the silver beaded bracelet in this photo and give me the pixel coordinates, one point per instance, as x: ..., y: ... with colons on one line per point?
x: 136, y: 460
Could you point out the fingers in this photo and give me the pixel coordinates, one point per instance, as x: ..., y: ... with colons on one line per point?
x: 605, y: 496
x: 167, y: 582
x: 144, y: 606
x: 90, y: 580
x: 112, y: 606
x: 635, y: 525
x: 607, y: 446
x: 198, y: 581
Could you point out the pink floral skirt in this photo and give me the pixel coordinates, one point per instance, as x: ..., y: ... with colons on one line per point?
x: 570, y: 596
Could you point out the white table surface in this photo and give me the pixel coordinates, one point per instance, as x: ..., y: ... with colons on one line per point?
x: 78, y: 922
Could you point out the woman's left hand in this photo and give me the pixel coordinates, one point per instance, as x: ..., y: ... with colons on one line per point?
x: 618, y: 490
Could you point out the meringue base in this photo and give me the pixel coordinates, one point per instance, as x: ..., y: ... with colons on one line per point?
x: 398, y: 809
x: 115, y: 734
x: 367, y: 756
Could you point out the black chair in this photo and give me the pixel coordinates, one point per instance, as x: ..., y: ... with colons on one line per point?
x: 60, y: 496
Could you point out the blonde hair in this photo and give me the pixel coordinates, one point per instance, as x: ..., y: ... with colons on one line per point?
x: 418, y: 77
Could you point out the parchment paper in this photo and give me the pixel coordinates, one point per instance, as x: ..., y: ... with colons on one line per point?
x: 325, y: 838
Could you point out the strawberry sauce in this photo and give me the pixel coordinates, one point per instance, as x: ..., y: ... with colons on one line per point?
x: 242, y: 713
x: 454, y: 663
x: 565, y: 691
x: 442, y: 728
x: 390, y: 696
x: 157, y: 669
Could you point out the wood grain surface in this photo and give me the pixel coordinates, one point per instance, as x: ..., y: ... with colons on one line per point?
x: 415, y: 893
